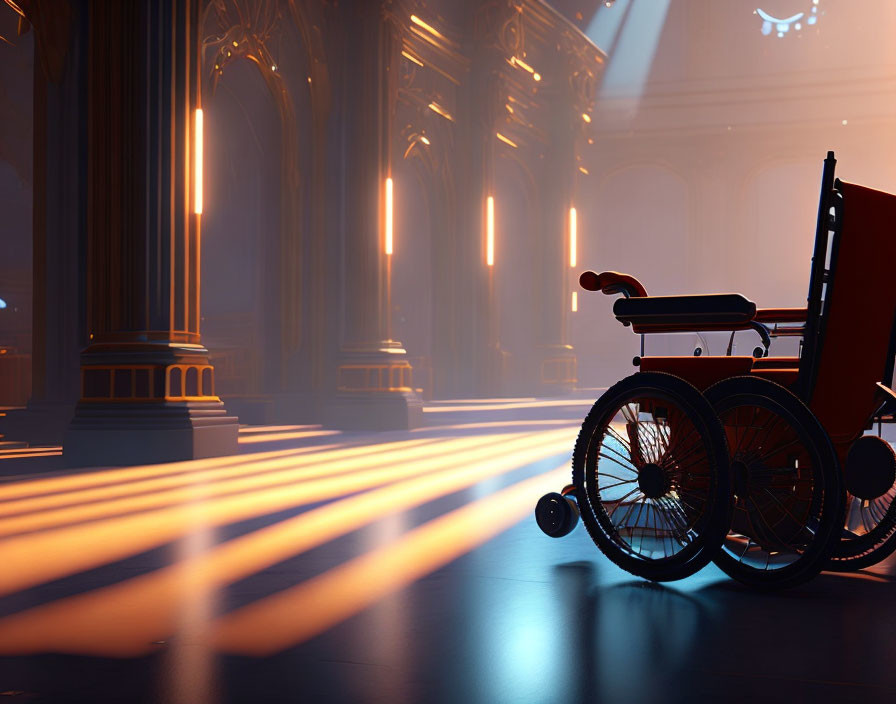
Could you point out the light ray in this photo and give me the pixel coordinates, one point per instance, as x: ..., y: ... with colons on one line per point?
x: 76, y: 548
x: 297, y: 614
x: 124, y: 619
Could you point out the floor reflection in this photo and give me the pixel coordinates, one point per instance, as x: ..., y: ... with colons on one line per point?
x: 403, y: 568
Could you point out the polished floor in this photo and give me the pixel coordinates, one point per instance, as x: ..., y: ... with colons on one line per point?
x: 399, y: 567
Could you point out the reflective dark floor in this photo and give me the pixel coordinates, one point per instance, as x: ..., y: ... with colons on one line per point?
x: 399, y: 567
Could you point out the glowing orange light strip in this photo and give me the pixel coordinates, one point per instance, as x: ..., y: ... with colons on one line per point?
x: 575, y: 301
x: 505, y: 406
x: 490, y: 231
x: 20, y: 455
x: 506, y: 140
x: 573, y: 225
x: 389, y: 216
x: 197, y: 164
x: 439, y: 110
x: 272, y: 437
x: 83, y: 546
x: 263, y: 628
x: 125, y: 618
x: 412, y: 58
x: 429, y: 28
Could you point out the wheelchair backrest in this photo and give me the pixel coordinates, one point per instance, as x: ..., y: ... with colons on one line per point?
x: 851, y: 348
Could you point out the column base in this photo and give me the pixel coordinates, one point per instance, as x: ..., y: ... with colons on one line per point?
x: 558, y: 370
x: 375, y: 390
x: 128, y: 434
x: 401, y: 410
x: 39, y: 423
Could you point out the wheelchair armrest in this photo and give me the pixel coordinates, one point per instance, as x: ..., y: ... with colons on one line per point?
x: 781, y: 315
x: 611, y: 282
x: 720, y: 311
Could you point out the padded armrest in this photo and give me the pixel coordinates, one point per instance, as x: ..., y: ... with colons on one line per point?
x: 716, y: 311
x: 610, y: 282
x: 781, y: 315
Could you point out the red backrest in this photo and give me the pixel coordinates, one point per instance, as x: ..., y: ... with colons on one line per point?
x: 857, y: 323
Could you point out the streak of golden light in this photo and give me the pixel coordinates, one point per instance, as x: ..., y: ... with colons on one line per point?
x: 583, y: 170
x: 271, y: 437
x: 429, y: 28
x: 124, y: 619
x: 272, y: 625
x: 506, y: 424
x: 515, y: 61
x: 71, y: 549
x: 573, y: 234
x: 275, y: 428
x: 507, y: 406
x: 490, y: 231
x: 424, y: 139
x: 20, y: 455
x: 506, y: 140
x: 586, y: 117
x: 324, y: 464
x: 389, y: 217
x: 410, y: 57
x: 575, y: 302
x: 197, y: 163
x: 77, y: 482
x: 98, y: 504
x: 439, y: 110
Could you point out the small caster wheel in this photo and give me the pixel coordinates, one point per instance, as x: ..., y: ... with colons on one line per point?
x: 556, y: 514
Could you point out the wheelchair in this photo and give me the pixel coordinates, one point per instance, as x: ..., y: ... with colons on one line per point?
x: 758, y: 463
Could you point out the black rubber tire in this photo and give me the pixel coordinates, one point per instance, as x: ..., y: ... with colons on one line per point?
x: 556, y: 514
x: 709, y: 525
x: 851, y: 554
x: 827, y: 499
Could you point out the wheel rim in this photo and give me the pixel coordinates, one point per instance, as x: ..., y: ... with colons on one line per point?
x: 868, y: 524
x: 648, y: 477
x: 778, y: 496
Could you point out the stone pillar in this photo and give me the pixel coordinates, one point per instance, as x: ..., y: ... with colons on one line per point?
x: 374, y: 382
x: 477, y: 366
x: 59, y: 225
x: 147, y: 388
x: 569, y: 93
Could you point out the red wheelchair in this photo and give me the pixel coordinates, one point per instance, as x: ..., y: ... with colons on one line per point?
x: 761, y: 464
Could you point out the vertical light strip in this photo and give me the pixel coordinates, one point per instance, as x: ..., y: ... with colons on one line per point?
x: 490, y: 231
x: 197, y: 164
x: 572, y: 236
x: 575, y: 301
x: 389, y: 216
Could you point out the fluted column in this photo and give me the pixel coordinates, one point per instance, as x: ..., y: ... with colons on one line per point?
x: 374, y: 382
x: 147, y: 388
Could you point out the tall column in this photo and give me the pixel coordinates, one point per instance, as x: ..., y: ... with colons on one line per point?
x: 476, y: 368
x: 147, y: 388
x: 374, y: 385
x: 568, y: 93
x: 59, y: 224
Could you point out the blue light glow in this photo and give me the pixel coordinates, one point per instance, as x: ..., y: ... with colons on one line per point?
x: 783, y: 26
x: 2, y: 304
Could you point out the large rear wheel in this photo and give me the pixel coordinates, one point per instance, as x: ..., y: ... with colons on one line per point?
x: 789, y: 495
x: 651, y: 473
